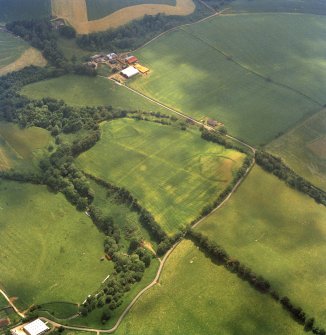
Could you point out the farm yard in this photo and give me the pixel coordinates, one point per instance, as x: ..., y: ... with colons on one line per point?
x: 76, y: 12
x: 173, y: 173
x: 196, y: 296
x: 212, y: 79
x: 303, y: 149
x: 278, y: 233
x: 37, y: 244
x: 22, y: 148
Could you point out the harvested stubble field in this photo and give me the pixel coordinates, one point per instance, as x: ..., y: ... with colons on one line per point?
x: 173, y: 173
x: 278, y: 233
x: 209, y: 69
x: 22, y: 148
x: 304, y: 149
x: 196, y: 296
x: 42, y: 234
x: 75, y: 12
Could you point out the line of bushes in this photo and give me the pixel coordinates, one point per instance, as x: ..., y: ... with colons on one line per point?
x: 219, y: 255
x: 277, y: 167
x: 215, y: 137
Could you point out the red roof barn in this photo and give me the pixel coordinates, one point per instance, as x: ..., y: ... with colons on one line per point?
x: 131, y: 59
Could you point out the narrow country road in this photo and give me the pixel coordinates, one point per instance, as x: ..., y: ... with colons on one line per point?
x: 11, y: 304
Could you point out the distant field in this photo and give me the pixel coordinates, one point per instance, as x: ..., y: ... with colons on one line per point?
x: 22, y: 148
x: 288, y: 48
x: 310, y: 6
x: 42, y: 235
x: 12, y: 10
x: 304, y: 149
x: 86, y: 91
x: 280, y: 234
x: 195, y: 296
x: 16, y: 54
x: 97, y: 9
x: 192, y: 70
x: 76, y: 12
x: 173, y: 173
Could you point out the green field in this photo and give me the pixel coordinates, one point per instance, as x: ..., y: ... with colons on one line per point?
x: 22, y: 148
x: 196, y: 70
x: 70, y: 49
x: 292, y: 6
x: 288, y: 48
x: 87, y: 91
x: 96, y: 9
x: 304, y: 149
x: 11, y: 48
x: 195, y: 296
x: 49, y: 251
x: 173, y: 173
x: 12, y: 10
x: 280, y: 234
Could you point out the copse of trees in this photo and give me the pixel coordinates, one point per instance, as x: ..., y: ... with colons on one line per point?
x: 67, y: 32
x: 276, y: 166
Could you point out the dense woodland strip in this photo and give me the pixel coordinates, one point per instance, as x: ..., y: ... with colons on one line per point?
x: 278, y: 168
x: 221, y: 257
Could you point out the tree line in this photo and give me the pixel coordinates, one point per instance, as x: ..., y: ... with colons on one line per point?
x: 258, y: 282
x: 278, y: 168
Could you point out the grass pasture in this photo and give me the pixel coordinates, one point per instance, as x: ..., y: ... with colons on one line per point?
x: 49, y: 251
x: 202, y: 71
x: 86, y: 91
x: 203, y: 298
x: 22, y: 148
x: 304, y: 149
x: 280, y: 234
x: 172, y: 173
x: 97, y: 9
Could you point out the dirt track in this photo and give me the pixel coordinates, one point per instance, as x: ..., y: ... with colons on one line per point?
x: 75, y: 12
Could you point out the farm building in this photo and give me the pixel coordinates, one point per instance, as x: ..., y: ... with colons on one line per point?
x: 36, y: 327
x: 112, y: 56
x: 131, y: 60
x: 212, y: 123
x: 129, y: 72
x: 141, y: 69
